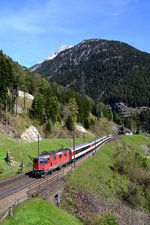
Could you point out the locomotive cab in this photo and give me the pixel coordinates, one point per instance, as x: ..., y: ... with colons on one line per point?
x: 40, y: 165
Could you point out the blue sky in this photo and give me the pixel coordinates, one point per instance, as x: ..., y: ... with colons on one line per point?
x: 30, y: 30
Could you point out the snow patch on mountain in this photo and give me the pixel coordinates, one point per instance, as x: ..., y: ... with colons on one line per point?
x: 35, y: 67
x: 62, y: 48
x: 52, y: 56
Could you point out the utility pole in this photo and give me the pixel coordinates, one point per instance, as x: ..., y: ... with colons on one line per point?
x: 74, y: 148
x: 95, y: 145
x: 83, y: 137
x: 24, y: 100
x: 38, y: 146
x: 21, y: 164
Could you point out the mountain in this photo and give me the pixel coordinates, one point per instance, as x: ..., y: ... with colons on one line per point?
x: 110, y: 71
x: 52, y: 56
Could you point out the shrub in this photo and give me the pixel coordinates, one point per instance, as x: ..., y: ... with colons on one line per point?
x: 130, y: 163
x: 137, y: 132
x: 49, y: 126
x: 148, y: 195
x: 135, y: 168
x: 69, y: 123
x: 86, y: 123
x: 131, y: 195
x: 105, y: 219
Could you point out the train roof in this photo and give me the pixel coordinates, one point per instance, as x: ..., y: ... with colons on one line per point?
x: 46, y: 154
x: 86, y: 143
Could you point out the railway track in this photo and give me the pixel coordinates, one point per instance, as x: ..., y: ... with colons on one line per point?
x: 7, y: 181
x: 24, y: 187
x: 13, y: 188
x: 43, y: 185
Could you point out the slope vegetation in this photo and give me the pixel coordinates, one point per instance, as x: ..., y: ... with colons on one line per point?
x: 37, y: 211
x: 113, y: 185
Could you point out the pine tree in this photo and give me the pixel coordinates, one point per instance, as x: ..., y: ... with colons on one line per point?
x: 73, y: 107
x: 69, y: 123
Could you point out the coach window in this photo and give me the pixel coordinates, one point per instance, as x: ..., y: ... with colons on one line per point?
x: 65, y: 154
x: 60, y: 156
x: 54, y: 157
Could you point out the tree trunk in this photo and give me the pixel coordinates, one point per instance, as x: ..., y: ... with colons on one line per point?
x: 16, y: 101
x: 6, y: 111
x: 0, y: 110
x: 24, y: 100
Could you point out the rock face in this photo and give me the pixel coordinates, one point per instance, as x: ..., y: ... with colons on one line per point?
x: 27, y: 95
x: 81, y: 128
x: 24, y: 102
x: 124, y: 111
x: 31, y: 134
x: 9, y: 159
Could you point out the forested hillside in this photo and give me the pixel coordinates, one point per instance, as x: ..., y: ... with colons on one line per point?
x: 52, y: 103
x: 108, y: 70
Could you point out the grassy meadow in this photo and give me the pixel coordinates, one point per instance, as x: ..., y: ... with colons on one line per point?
x: 98, y: 176
x: 40, y: 212
x: 94, y: 176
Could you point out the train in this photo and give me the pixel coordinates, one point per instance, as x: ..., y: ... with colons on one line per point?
x: 47, y: 162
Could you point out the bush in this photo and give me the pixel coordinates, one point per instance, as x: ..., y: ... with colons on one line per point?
x: 131, y: 194
x: 148, y: 195
x: 86, y: 123
x: 137, y: 132
x: 69, y: 123
x: 135, y: 168
x: 130, y: 163
x: 105, y: 219
x: 49, y: 126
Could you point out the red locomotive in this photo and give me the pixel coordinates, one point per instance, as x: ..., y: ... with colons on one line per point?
x: 49, y: 161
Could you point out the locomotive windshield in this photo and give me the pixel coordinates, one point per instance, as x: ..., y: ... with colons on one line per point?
x: 35, y: 161
x: 43, y: 161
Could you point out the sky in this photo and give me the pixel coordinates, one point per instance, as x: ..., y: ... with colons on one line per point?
x: 30, y: 30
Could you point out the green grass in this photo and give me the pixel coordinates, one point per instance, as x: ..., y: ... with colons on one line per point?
x: 21, y: 150
x: 40, y: 212
x: 96, y: 176
x: 136, y: 141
